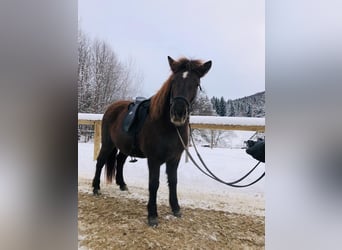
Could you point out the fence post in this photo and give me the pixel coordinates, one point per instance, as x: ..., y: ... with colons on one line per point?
x: 97, y: 138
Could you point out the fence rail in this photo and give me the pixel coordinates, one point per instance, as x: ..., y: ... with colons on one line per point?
x: 198, y: 122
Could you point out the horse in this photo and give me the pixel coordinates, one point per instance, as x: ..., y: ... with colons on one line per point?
x: 157, y: 139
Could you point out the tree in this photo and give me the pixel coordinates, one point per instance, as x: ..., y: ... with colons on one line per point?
x: 222, y: 111
x: 84, y: 72
x: 215, y: 102
x: 230, y: 108
x: 102, y: 78
x: 202, y: 105
x: 249, y: 111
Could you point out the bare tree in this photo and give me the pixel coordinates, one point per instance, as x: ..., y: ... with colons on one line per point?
x: 107, y: 74
x: 131, y: 81
x: 84, y: 72
x: 102, y: 78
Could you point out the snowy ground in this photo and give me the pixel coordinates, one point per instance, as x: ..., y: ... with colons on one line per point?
x: 194, y: 189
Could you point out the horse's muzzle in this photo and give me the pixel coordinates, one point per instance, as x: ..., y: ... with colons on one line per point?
x: 178, y: 122
x: 179, y: 113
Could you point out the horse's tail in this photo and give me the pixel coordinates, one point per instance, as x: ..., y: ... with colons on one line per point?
x: 110, y: 167
x: 111, y: 156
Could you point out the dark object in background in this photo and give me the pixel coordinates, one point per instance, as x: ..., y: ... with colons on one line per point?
x: 256, y: 149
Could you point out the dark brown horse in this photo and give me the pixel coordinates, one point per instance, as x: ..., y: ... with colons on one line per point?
x: 157, y: 140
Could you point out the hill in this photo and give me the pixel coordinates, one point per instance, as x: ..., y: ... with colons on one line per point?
x: 248, y: 106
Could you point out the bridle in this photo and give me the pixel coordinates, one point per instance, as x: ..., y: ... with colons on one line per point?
x: 173, y: 99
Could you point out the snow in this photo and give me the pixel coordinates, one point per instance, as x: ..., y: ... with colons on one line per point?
x: 194, y: 188
x: 90, y: 117
x: 225, y: 120
x: 219, y: 120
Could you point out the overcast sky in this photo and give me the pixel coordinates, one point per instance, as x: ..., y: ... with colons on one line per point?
x: 231, y: 33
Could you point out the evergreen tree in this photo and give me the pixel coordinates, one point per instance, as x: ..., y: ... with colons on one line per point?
x: 249, y: 111
x: 216, y: 104
x: 230, y: 108
x: 213, y: 101
x: 222, y: 107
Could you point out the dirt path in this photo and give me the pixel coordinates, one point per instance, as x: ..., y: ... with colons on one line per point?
x: 119, y: 222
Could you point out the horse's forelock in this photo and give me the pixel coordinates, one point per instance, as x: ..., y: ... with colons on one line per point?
x: 184, y: 64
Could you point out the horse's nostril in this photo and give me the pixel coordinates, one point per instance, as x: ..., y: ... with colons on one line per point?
x: 179, y: 110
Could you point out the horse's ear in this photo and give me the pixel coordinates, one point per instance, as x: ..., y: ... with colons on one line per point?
x: 172, y: 64
x: 204, y: 68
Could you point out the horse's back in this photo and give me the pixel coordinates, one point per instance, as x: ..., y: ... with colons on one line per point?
x: 115, y: 110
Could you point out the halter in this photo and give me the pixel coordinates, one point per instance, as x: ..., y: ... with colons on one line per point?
x: 173, y: 99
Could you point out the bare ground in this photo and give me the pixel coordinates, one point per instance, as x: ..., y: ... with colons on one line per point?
x: 116, y: 221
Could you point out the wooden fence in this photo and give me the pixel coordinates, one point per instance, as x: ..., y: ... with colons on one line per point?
x: 197, y: 122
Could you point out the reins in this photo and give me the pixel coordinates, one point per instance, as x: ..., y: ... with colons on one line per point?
x: 210, y: 173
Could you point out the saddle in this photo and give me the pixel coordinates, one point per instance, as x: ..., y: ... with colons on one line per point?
x: 136, y: 115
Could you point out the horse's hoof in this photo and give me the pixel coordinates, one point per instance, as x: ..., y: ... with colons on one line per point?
x: 152, y: 221
x: 124, y: 188
x: 177, y: 214
x: 96, y: 192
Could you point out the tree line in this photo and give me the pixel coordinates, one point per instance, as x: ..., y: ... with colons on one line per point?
x: 102, y: 77
x: 249, y: 106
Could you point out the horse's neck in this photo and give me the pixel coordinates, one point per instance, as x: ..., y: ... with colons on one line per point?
x: 165, y: 116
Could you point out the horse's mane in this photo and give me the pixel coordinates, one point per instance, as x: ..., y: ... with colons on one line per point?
x: 159, y: 99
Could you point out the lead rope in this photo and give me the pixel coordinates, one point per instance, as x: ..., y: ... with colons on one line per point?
x: 210, y: 174
x: 228, y: 183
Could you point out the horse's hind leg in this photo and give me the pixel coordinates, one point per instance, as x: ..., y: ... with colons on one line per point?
x: 105, y: 153
x: 121, y: 158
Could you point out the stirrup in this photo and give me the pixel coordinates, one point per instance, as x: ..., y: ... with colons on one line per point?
x: 133, y: 159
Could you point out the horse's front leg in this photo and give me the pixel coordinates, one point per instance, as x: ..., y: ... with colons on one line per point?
x: 171, y: 170
x: 154, y: 171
